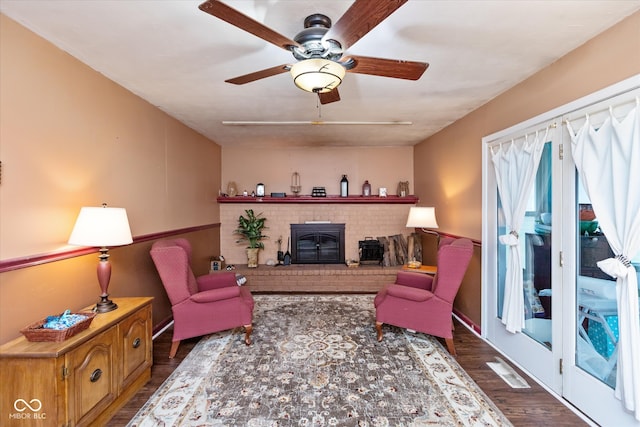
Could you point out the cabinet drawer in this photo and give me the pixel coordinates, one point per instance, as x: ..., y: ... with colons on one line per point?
x: 135, y: 338
x: 93, y: 384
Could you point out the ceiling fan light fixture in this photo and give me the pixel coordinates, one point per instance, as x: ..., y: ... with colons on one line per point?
x: 317, y: 75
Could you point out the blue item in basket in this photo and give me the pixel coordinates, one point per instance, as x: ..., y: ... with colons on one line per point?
x: 599, y: 337
x: 64, y: 321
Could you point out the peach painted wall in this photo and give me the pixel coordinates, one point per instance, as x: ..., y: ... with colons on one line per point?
x: 453, y: 183
x: 69, y: 137
x: 318, y: 167
x: 72, y: 138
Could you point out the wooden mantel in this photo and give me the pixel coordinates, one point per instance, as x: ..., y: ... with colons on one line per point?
x: 328, y: 199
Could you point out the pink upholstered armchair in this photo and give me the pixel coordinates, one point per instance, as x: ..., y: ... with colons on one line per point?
x: 202, y: 305
x: 424, y: 303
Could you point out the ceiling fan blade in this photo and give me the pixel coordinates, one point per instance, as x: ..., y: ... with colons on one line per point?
x: 233, y: 17
x: 396, y: 68
x: 359, y: 19
x: 251, y: 77
x: 329, y: 97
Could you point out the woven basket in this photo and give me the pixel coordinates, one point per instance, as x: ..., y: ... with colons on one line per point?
x: 35, y: 332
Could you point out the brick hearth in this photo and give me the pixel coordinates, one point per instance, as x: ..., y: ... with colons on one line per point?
x: 318, y: 278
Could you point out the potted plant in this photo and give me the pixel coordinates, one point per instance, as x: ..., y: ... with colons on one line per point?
x: 250, y: 229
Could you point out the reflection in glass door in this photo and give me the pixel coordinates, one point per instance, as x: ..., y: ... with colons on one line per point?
x: 535, y: 241
x: 538, y: 229
x: 597, y: 324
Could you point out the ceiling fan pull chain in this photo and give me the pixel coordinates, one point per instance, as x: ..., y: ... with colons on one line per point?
x: 319, y: 106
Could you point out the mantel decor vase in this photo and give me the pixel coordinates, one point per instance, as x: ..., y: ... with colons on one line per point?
x: 366, y: 189
x: 252, y: 257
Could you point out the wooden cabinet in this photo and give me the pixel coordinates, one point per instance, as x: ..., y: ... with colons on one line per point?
x: 83, y: 380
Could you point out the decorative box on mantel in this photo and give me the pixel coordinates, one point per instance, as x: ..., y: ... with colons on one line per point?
x: 328, y: 199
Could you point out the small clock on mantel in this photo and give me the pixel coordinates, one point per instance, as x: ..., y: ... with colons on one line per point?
x: 260, y: 190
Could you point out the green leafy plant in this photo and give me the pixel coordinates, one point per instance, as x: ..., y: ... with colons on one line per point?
x: 250, y: 228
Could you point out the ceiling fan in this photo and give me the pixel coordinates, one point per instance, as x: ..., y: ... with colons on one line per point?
x: 319, y: 47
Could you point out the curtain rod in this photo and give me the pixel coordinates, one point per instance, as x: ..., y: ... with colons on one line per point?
x: 524, y: 136
x: 610, y: 109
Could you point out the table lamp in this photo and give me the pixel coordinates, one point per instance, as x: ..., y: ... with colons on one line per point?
x: 422, y: 218
x: 102, y: 227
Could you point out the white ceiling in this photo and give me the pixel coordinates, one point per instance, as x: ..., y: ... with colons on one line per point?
x: 177, y: 58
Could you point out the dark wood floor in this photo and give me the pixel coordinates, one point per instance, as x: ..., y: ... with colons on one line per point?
x: 524, y: 407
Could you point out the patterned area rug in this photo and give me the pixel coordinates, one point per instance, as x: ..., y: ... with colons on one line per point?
x: 315, y: 361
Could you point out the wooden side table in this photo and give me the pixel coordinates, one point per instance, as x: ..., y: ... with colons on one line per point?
x: 83, y: 380
x: 424, y: 269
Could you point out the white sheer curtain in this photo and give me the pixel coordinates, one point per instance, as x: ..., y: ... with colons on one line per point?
x: 516, y: 164
x: 608, y: 160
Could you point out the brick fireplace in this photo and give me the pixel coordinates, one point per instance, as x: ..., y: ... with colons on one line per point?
x: 360, y: 221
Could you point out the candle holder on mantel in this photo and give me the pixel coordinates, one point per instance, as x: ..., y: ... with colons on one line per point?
x: 295, y: 183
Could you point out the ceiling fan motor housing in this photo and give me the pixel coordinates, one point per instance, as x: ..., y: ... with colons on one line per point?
x: 311, y: 43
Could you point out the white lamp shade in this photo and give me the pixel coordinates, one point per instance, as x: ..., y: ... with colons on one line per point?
x: 101, y: 226
x: 317, y: 75
x: 422, y: 218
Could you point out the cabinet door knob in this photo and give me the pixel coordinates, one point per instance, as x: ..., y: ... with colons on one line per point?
x: 136, y: 343
x: 95, y: 375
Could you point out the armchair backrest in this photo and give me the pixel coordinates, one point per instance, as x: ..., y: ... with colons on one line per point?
x: 172, y: 258
x: 454, y: 256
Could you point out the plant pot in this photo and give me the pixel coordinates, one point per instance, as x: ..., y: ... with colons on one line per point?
x: 252, y: 257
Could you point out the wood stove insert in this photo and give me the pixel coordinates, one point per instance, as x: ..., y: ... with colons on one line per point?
x: 317, y: 243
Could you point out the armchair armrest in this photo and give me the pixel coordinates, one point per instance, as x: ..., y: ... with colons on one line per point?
x: 409, y: 293
x: 216, y: 281
x: 216, y: 294
x: 415, y: 280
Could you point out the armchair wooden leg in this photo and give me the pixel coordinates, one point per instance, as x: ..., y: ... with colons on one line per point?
x: 450, y: 346
x: 247, y: 334
x: 174, y: 349
x: 379, y: 329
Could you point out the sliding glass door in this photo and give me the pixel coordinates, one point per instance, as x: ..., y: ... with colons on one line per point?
x: 570, y: 338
